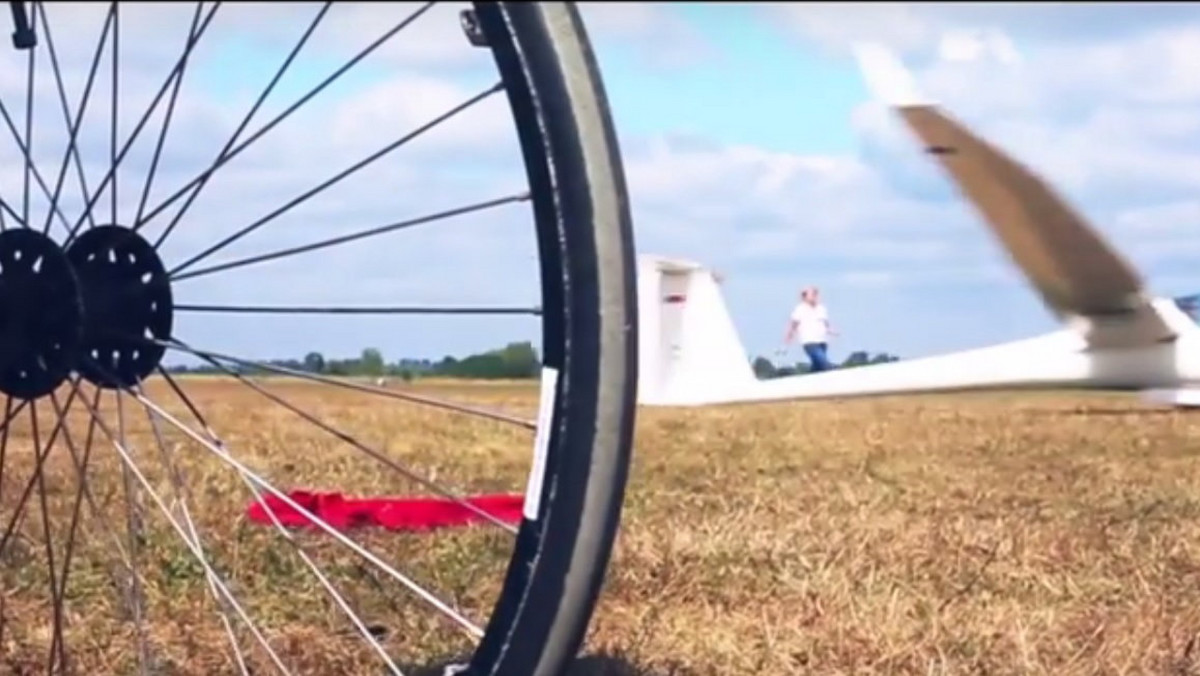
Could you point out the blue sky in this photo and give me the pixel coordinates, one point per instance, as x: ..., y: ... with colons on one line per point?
x: 750, y: 143
x: 757, y: 88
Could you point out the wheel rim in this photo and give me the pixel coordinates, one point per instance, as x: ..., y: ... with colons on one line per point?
x: 95, y: 298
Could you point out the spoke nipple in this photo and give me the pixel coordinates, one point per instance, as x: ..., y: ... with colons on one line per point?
x: 26, y: 39
x: 470, y: 26
x: 23, y: 35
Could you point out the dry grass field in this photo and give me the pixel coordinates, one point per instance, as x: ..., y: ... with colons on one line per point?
x: 1000, y: 534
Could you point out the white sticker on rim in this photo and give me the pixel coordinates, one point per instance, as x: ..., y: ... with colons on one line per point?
x: 541, y: 443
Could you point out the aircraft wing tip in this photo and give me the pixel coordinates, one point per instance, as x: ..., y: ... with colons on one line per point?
x: 887, y: 79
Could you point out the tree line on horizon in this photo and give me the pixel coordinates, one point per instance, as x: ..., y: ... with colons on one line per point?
x: 513, y: 361
x: 765, y: 368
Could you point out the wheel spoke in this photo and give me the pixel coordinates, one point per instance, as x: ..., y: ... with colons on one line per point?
x: 340, y: 176
x: 166, y: 125
x: 114, y: 109
x: 176, y: 344
x: 182, y: 497
x: 194, y: 547
x: 132, y: 580
x: 362, y: 234
x: 71, y: 155
x: 10, y: 412
x: 30, y: 170
x: 237, y: 133
x: 6, y: 208
x: 338, y: 598
x: 27, y: 146
x: 176, y: 72
x: 82, y: 494
x: 225, y: 156
x: 39, y: 461
x: 58, y: 655
x: 58, y: 594
x: 135, y: 535
x: 373, y: 452
x: 393, y: 310
x: 24, y: 144
x: 471, y: 628
x: 8, y: 416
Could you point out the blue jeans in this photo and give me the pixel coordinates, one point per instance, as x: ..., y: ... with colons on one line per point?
x: 817, y: 359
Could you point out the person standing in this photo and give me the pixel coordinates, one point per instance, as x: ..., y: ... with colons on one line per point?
x: 809, y: 325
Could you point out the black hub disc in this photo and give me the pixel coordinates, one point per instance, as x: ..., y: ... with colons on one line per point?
x: 40, y: 313
x: 127, y: 305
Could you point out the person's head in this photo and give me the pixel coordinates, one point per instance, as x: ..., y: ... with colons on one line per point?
x: 810, y: 295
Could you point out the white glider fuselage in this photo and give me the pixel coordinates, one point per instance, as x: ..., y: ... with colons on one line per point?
x: 1057, y: 360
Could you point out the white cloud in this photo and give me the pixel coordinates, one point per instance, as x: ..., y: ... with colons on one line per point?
x: 973, y: 45
x: 829, y: 24
x: 653, y: 30
x: 730, y: 203
x: 916, y: 28
x: 411, y: 101
x: 1172, y: 218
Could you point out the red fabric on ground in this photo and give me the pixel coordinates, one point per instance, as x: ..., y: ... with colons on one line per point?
x: 417, y: 514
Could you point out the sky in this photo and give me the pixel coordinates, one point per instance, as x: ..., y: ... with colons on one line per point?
x: 749, y: 139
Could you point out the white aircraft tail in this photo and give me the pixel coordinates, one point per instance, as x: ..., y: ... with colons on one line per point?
x: 690, y: 351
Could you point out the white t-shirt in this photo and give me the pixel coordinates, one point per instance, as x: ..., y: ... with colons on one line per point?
x: 812, y: 322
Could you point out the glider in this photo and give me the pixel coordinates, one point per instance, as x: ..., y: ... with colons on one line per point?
x: 1114, y: 335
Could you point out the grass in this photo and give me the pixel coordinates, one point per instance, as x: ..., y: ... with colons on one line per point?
x: 1031, y: 534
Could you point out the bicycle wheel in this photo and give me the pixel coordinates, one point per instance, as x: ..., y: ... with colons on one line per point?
x: 91, y: 310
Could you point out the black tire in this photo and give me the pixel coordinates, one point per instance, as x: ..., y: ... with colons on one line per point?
x: 585, y: 240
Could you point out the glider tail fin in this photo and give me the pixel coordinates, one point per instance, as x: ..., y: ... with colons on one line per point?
x: 690, y: 351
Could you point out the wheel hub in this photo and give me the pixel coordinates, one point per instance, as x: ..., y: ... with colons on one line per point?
x: 95, y: 308
x: 40, y: 314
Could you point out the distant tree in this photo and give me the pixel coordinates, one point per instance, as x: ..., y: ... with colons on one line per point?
x: 371, y: 362
x: 314, y: 362
x: 856, y: 358
x: 515, y: 360
x: 520, y: 360
x: 763, y: 368
x: 487, y: 365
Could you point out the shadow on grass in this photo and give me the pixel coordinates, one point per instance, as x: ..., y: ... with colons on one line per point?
x: 587, y: 665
